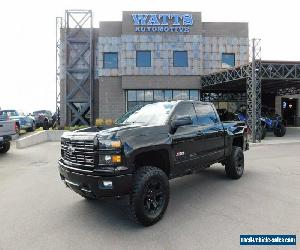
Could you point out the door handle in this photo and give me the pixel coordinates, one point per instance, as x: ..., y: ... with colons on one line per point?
x: 199, y: 133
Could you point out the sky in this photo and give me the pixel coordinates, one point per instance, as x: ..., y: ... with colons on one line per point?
x: 27, y: 43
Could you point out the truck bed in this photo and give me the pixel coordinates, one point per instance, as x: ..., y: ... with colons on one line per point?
x: 7, y: 127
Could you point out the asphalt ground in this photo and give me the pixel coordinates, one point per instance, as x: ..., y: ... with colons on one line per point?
x: 206, y: 210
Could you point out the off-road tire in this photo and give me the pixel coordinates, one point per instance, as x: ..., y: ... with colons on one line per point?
x: 31, y: 129
x: 46, y: 125
x: 263, y: 133
x: 5, y: 148
x: 143, y: 182
x: 280, y: 131
x: 18, y: 129
x: 234, y: 164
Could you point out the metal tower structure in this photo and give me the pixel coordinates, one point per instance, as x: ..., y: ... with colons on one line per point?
x: 253, y: 88
x: 78, y: 54
x: 59, y: 53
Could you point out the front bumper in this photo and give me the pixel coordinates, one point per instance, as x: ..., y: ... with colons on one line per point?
x: 93, y: 185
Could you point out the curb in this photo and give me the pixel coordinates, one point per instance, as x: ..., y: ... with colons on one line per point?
x: 39, y: 137
x: 272, y: 143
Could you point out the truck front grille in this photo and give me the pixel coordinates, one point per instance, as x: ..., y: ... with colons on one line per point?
x: 79, y: 153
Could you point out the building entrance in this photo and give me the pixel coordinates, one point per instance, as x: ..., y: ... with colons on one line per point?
x: 289, y: 110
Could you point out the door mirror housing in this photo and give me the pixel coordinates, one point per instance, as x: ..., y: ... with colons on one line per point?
x: 180, y: 121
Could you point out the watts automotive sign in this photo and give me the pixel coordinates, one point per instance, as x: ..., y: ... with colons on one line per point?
x: 162, y: 22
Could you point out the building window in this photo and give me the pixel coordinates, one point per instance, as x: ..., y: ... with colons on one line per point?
x: 158, y: 95
x: 110, y: 60
x: 180, y: 59
x: 131, y: 95
x: 143, y: 58
x: 148, y: 95
x: 142, y: 97
x: 168, y: 95
x: 194, y: 95
x: 180, y: 94
x: 140, y: 94
x: 228, y: 60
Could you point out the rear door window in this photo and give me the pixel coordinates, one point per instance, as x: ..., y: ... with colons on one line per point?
x: 206, y: 115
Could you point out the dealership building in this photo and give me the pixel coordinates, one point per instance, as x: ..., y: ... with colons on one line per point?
x: 154, y: 56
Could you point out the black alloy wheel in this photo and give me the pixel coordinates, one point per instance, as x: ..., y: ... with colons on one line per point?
x: 154, y: 197
x: 46, y: 125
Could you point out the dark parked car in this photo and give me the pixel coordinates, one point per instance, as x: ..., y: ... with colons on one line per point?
x: 43, y: 118
x: 145, y: 149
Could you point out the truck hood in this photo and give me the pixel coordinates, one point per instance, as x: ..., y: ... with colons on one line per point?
x: 123, y: 132
x: 99, y: 132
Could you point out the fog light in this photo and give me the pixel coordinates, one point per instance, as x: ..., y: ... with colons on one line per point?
x: 116, y: 159
x: 107, y: 158
x: 106, y: 185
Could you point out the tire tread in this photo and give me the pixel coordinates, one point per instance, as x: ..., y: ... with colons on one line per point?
x: 142, y: 174
x: 230, y: 164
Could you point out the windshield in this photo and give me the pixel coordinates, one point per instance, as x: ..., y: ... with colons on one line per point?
x: 9, y: 113
x: 150, y: 114
x: 41, y: 112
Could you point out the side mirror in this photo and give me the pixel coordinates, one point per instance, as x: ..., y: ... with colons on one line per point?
x: 180, y: 121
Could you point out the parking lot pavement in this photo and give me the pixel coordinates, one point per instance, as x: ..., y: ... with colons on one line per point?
x: 292, y: 136
x: 206, y: 210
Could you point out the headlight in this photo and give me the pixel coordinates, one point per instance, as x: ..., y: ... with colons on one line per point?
x: 110, y: 144
x: 115, y: 144
x: 110, y: 159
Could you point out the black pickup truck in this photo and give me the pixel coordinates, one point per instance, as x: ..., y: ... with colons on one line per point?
x: 146, y: 148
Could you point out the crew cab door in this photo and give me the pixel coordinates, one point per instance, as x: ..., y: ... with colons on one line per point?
x: 211, y: 135
x: 183, y: 140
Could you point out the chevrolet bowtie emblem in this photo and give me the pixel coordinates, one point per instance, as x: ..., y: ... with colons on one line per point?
x: 71, y: 150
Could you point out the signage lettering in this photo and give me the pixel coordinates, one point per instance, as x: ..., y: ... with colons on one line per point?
x: 162, y: 22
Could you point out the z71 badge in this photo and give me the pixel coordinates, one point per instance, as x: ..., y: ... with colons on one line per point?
x: 179, y: 154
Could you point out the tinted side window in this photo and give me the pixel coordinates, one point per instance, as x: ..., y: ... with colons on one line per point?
x: 185, y: 109
x: 205, y: 114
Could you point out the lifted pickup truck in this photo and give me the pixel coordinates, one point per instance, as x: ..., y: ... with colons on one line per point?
x: 146, y: 148
x: 7, y: 129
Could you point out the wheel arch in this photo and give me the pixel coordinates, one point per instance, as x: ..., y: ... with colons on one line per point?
x: 238, y: 142
x: 159, y: 158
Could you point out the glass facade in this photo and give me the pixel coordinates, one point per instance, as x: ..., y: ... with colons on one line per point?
x: 110, y: 60
x: 180, y: 59
x: 142, y: 97
x: 232, y: 102
x: 143, y: 58
x: 228, y: 60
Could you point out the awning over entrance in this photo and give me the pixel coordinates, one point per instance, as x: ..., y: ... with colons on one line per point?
x: 255, y: 78
x: 277, y: 77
